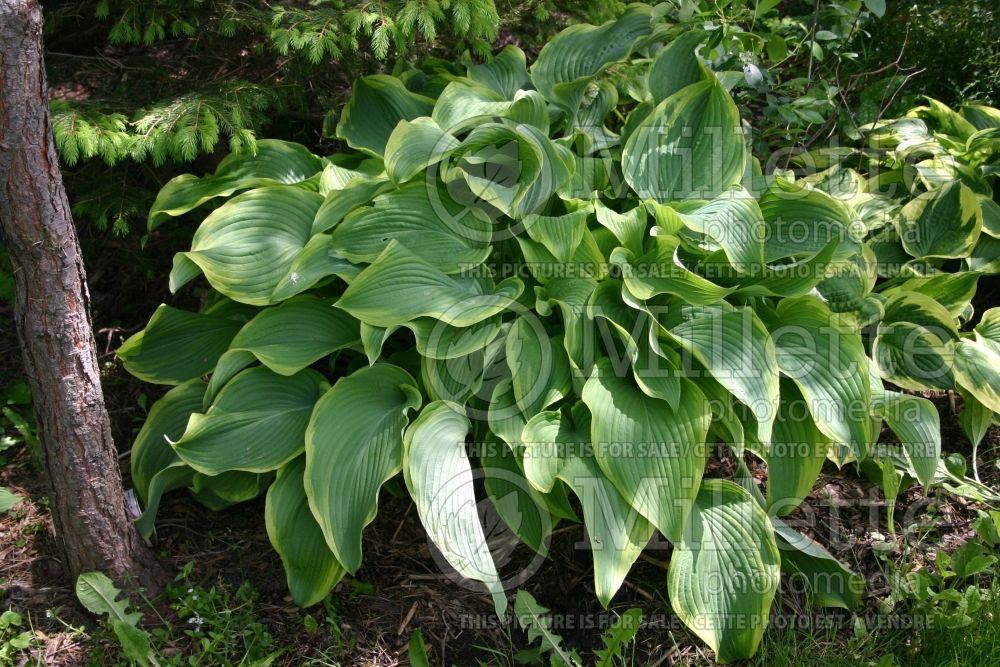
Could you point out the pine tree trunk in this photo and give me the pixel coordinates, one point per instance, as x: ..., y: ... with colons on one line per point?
x: 52, y: 317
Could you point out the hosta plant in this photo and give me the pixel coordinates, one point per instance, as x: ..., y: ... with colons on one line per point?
x: 558, y: 288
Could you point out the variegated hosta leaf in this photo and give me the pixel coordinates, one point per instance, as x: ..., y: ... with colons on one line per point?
x: 558, y: 446
x: 724, y: 573
x: 274, y: 162
x: 916, y: 422
x: 354, y: 444
x: 653, y: 454
x: 830, y: 582
x: 660, y: 272
x: 954, y: 291
x: 378, y: 103
x: 911, y: 349
x: 311, y: 569
x: 255, y: 424
x: 977, y: 371
x: 399, y: 287
x: 691, y: 146
x: 464, y: 104
x: 228, y: 246
x: 802, y: 220
x: 287, y: 338
x: 177, y: 345
x: 987, y: 332
x: 829, y: 365
x: 439, y: 477
x: 945, y: 222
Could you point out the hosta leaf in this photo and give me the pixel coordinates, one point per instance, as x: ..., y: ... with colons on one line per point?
x: 945, y: 222
x: 256, y: 423
x: 988, y: 330
x: 653, y: 454
x: 431, y: 225
x: 317, y: 261
x: 246, y: 246
x: 177, y: 475
x: 981, y: 117
x: 985, y: 256
x: 505, y: 73
x: 353, y: 446
x: 463, y: 104
x: 660, y: 272
x: 628, y: 227
x: 737, y: 350
x: 311, y: 570
x: 538, y: 365
x: 690, y: 147
x: 829, y: 365
x: 561, y: 234
x: 676, y: 66
x: 734, y: 221
x: 910, y: 349
x: 399, y: 287
x: 341, y: 202
x: 274, y: 162
x: 830, y: 582
x: 288, y: 338
x: 566, y: 63
x: 916, y: 422
x: 177, y: 346
x: 378, y: 102
x: 439, y: 477
x: 724, y: 573
x: 802, y: 220
x: 795, y: 455
x: 954, y: 291
x: 515, y: 169
x: 217, y: 492
x: 557, y: 447
x: 521, y: 507
x: 415, y: 145
x: 165, y: 423
x: 977, y: 370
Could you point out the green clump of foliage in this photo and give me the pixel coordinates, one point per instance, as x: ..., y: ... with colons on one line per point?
x: 573, y: 280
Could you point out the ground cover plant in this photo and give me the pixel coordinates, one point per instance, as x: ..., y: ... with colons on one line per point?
x: 569, y: 282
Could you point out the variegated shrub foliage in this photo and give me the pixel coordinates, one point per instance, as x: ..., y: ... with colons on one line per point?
x: 572, y: 281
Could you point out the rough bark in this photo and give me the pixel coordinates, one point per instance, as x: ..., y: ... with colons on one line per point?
x: 52, y: 317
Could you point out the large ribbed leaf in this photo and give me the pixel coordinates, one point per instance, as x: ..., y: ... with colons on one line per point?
x: 916, y: 423
x: 557, y: 446
x: 795, y: 454
x: 987, y: 332
x: 567, y: 62
x: 274, y: 162
x: 660, y: 272
x: 690, y: 147
x: 977, y: 370
x: 515, y: 169
x: 442, y: 232
x: 735, y: 347
x: 829, y: 582
x: 628, y: 227
x: 399, y: 287
x: 288, y: 338
x: 505, y: 73
x: 725, y: 572
x: 560, y: 234
x: 910, y: 348
x: 733, y: 221
x: 828, y: 363
x: 464, y: 104
x: 655, y: 455
x: 317, y: 261
x: 246, y: 246
x: 256, y: 423
x: 354, y: 443
x: 802, y: 221
x: 311, y: 570
x: 439, y: 477
x: 945, y: 222
x: 177, y: 345
x: 414, y: 146
x: 539, y: 368
x: 954, y: 291
x: 378, y: 102
x: 156, y: 468
x: 676, y: 66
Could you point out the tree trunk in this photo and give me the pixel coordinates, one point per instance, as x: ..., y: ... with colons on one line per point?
x: 51, y: 312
